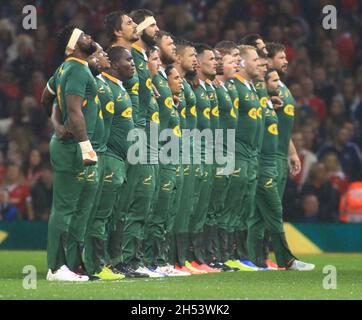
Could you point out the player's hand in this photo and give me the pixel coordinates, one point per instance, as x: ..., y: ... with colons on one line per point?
x: 176, y: 100
x: 294, y: 164
x: 216, y: 83
x: 155, y: 91
x: 277, y: 102
x: 62, y: 132
x: 88, y: 154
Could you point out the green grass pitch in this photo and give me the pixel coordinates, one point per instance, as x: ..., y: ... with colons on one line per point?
x: 236, y: 285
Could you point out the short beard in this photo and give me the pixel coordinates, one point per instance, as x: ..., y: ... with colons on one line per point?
x: 90, y: 50
x: 95, y: 72
x: 191, y: 75
x: 148, y: 40
x: 166, y: 60
x: 273, y: 93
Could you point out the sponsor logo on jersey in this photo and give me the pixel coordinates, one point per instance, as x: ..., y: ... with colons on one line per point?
x: 252, y: 113
x: 183, y: 112
x: 110, y: 107
x: 193, y: 111
x: 273, y: 129
x: 148, y: 83
x: 127, y: 113
x: 176, y: 131
x: 155, y: 117
x: 168, y: 102
x: 263, y: 101
x: 289, y: 110
x: 232, y: 113
x: 207, y: 113
x: 260, y: 113
x: 215, y: 111
x: 236, y: 103
x: 135, y: 88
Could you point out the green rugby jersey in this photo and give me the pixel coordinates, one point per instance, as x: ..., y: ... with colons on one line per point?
x: 103, y: 128
x: 122, y: 122
x: 145, y: 84
x: 270, y: 140
x: 191, y: 111
x: 132, y: 88
x: 285, y: 120
x: 214, y: 114
x: 227, y: 111
x: 165, y: 100
x: 263, y: 98
x: 248, y: 119
x: 182, y: 107
x: 203, y: 107
x: 152, y: 123
x: 230, y: 85
x: 73, y: 77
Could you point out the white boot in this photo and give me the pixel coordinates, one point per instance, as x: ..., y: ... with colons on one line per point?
x: 64, y: 274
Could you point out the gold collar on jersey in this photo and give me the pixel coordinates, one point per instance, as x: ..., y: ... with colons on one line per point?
x: 84, y: 62
x: 108, y: 76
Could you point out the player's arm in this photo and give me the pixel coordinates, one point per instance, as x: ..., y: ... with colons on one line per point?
x: 78, y: 128
x: 75, y: 93
x: 294, y: 161
x: 48, y: 96
x: 56, y: 118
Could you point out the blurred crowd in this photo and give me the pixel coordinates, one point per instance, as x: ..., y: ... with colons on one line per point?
x: 325, y: 77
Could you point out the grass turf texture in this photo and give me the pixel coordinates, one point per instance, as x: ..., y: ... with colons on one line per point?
x: 236, y: 285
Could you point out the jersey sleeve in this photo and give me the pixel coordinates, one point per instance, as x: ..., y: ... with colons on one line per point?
x: 76, y: 83
x: 51, y: 85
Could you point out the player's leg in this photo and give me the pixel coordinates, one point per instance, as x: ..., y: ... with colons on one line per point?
x: 68, y: 183
x: 77, y: 228
x: 198, y: 218
x: 114, y: 177
x: 156, y: 224
x: 270, y: 207
x: 182, y: 219
x: 282, y: 168
x: 139, y: 207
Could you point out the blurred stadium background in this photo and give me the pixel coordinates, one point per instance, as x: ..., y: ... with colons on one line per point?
x: 323, y: 205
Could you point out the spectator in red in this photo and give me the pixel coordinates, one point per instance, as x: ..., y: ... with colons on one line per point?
x: 32, y: 168
x: 349, y: 154
x: 307, y: 159
x: 335, y: 174
x: 311, y: 100
x: 42, y: 194
x: 328, y: 198
x: 18, y: 193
